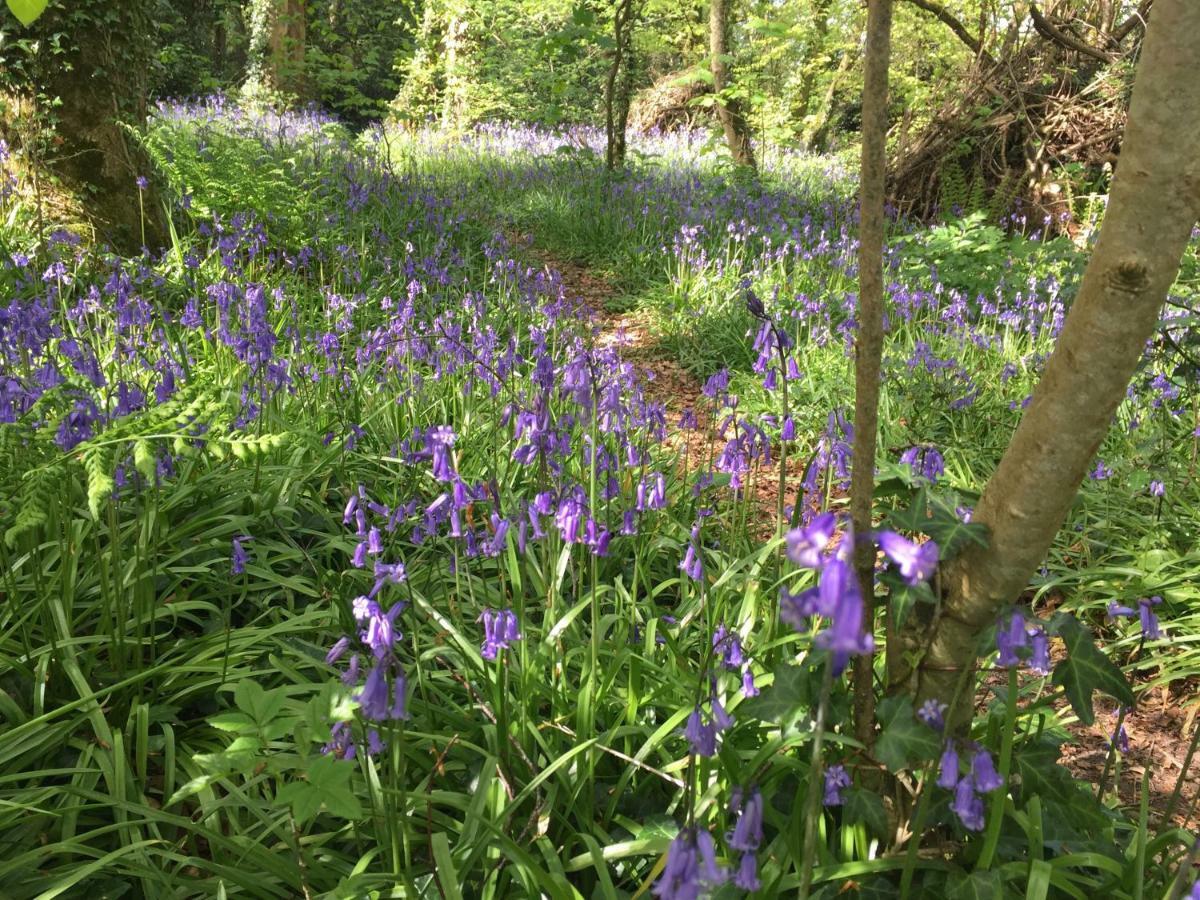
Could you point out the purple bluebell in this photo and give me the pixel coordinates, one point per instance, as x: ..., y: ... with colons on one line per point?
x: 747, y: 833
x: 746, y: 876
x: 1011, y: 637
x: 916, y: 562
x: 806, y: 545
x: 948, y: 767
x: 933, y: 714
x: 984, y: 773
x: 837, y: 779
x: 500, y: 631
x: 968, y: 805
x: 700, y: 734
x: 239, y: 557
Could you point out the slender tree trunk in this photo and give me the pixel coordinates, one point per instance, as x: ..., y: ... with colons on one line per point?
x: 729, y: 110
x: 1154, y: 204
x: 868, y: 341
x: 816, y: 133
x: 815, y: 63
x: 614, y: 121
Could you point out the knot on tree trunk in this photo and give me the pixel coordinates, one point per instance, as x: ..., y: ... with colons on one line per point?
x: 1129, y: 276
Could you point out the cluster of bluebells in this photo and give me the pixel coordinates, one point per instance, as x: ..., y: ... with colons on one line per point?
x: 1144, y: 610
x: 1019, y: 642
x: 924, y: 462
x: 837, y: 596
x: 692, y: 870
x: 500, y: 631
x: 980, y: 778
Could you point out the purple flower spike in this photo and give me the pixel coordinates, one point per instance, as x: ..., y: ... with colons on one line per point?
x: 983, y: 771
x: 948, y: 768
x: 933, y: 714
x: 836, y: 781
x: 805, y: 545
x: 968, y: 805
x: 500, y: 629
x: 916, y: 562
x: 746, y: 877
x: 1148, y: 619
x: 238, y: 557
x: 747, y: 834
x: 1009, y: 639
x: 1039, y: 659
x: 700, y: 734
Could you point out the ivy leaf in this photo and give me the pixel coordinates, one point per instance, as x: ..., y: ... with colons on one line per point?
x: 867, y: 807
x: 328, y: 785
x: 903, y: 739
x: 783, y: 699
x: 987, y: 885
x: 1086, y: 669
x: 27, y: 11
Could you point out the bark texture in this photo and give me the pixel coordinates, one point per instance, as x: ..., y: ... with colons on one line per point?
x: 618, y: 85
x: 1154, y: 204
x: 868, y: 341
x: 729, y: 110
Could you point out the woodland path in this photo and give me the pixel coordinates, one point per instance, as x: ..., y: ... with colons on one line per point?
x: 1159, y: 729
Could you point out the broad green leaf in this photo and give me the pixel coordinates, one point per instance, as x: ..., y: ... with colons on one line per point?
x: 328, y: 785
x: 789, y: 694
x: 903, y: 740
x: 987, y: 885
x: 867, y: 807
x: 1086, y: 670
x: 27, y: 11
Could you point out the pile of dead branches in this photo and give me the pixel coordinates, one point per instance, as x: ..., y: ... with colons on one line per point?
x: 1048, y: 100
x: 669, y: 104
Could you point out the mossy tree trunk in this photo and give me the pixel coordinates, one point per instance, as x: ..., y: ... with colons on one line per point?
x: 729, y: 108
x: 85, y: 95
x: 278, y: 33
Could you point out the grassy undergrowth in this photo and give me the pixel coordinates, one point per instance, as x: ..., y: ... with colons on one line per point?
x: 339, y: 561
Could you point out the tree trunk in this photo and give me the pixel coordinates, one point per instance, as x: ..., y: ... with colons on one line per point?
x: 618, y: 85
x: 729, y: 110
x: 868, y: 341
x: 278, y: 31
x: 95, y: 77
x: 813, y: 64
x: 1154, y: 204
x: 287, y: 48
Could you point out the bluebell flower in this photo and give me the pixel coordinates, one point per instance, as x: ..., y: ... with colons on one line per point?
x: 746, y: 876
x: 984, y: 773
x: 806, y: 545
x: 747, y: 833
x: 749, y: 689
x: 500, y: 630
x: 1039, y: 657
x: 933, y: 713
x: 916, y: 562
x: 1010, y: 638
x: 948, y: 768
x: 968, y: 805
x: 238, y: 557
x: 700, y: 734
x: 837, y: 779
